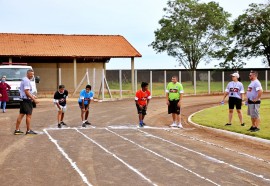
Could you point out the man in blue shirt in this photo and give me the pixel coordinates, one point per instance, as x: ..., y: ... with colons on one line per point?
x: 86, y: 95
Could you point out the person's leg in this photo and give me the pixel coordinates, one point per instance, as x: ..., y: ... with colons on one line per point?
x: 240, y: 115
x: 19, y: 120
x: 257, y: 122
x: 86, y: 114
x: 230, y: 115
x: 59, y: 116
x: 4, y: 106
x: 28, y: 121
x: 62, y: 117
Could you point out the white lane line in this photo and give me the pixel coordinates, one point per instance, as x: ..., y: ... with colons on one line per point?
x: 116, y: 157
x: 206, y: 156
x: 219, y: 146
x: 167, y: 159
x: 72, y: 163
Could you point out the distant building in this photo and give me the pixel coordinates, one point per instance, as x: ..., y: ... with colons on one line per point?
x: 73, y: 54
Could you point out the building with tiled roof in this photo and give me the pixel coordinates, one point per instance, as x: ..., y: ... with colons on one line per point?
x: 72, y: 54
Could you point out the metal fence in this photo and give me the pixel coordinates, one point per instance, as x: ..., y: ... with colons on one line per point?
x: 208, y: 81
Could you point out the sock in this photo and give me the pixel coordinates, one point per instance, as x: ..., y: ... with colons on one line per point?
x: 141, y: 121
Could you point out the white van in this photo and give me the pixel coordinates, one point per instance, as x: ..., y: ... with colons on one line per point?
x: 14, y: 75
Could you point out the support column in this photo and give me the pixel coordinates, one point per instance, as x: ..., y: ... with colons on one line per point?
x: 75, y: 72
x: 132, y: 75
x: 10, y: 61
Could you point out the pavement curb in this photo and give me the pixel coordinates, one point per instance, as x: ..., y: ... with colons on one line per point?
x: 232, y: 134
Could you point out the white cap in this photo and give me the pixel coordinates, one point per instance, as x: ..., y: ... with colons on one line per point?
x: 235, y: 75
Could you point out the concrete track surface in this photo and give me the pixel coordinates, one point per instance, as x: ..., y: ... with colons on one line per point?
x: 114, y: 151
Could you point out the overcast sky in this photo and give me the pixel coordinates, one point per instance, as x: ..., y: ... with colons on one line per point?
x: 136, y: 20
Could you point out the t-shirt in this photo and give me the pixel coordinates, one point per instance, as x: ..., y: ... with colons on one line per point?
x: 25, y: 85
x: 142, y: 97
x: 235, y: 89
x: 253, y: 88
x: 61, y: 98
x: 86, y: 96
x: 174, y: 90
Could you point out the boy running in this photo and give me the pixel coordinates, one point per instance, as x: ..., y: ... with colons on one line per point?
x: 86, y: 95
x: 60, y: 102
x: 142, y: 100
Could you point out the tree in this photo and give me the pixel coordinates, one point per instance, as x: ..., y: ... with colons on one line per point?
x: 252, y: 32
x: 192, y: 32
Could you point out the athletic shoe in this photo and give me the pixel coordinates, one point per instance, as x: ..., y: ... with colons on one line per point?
x: 62, y: 123
x: 255, y: 129
x: 228, y: 124
x: 30, y: 132
x: 140, y: 124
x: 59, y: 125
x: 243, y: 124
x: 144, y: 124
x: 173, y: 125
x: 251, y: 128
x: 87, y: 122
x: 83, y: 125
x: 18, y: 132
x: 4, y: 111
x: 180, y: 126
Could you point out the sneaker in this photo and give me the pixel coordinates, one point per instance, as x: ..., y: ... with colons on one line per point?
x: 87, y: 122
x: 180, y: 126
x: 243, y: 124
x: 62, y: 123
x: 251, y: 128
x: 140, y: 124
x: 255, y: 129
x: 4, y: 111
x: 59, y: 125
x: 144, y: 124
x: 30, y: 132
x: 83, y: 125
x: 18, y: 132
x: 173, y: 125
x: 228, y: 124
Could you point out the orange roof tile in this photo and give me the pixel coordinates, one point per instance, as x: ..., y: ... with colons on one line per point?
x: 59, y: 45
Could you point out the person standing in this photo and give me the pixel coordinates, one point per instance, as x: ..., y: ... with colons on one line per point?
x: 26, y: 105
x: 86, y: 95
x: 60, y: 102
x: 142, y: 99
x: 254, y: 94
x: 4, y: 87
x: 174, y: 96
x: 235, y: 90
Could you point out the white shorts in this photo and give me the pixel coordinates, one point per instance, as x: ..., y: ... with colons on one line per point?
x: 63, y: 108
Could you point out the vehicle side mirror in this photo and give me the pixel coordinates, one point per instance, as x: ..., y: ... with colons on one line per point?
x: 37, y: 79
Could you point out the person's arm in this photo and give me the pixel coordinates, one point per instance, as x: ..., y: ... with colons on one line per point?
x: 8, y: 87
x: 259, y: 95
x: 56, y: 101
x: 29, y: 95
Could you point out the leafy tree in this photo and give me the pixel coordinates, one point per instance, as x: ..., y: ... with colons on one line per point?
x: 252, y: 32
x: 192, y: 32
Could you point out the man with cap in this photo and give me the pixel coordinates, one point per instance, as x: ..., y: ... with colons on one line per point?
x: 254, y: 94
x: 235, y: 91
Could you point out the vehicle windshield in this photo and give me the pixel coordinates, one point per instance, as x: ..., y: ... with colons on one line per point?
x: 13, y: 74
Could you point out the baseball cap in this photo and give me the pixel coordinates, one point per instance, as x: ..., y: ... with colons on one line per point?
x: 235, y: 75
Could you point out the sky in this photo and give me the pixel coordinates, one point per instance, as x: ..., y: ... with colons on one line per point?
x: 136, y: 20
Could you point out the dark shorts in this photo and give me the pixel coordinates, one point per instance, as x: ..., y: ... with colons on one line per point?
x: 26, y: 107
x: 173, y: 107
x: 141, y: 111
x: 83, y: 106
x: 235, y: 102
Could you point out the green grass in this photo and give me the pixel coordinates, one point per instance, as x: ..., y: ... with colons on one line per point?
x: 217, y: 117
x: 158, y: 88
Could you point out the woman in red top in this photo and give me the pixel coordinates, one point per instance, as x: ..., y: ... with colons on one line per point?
x: 4, y: 87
